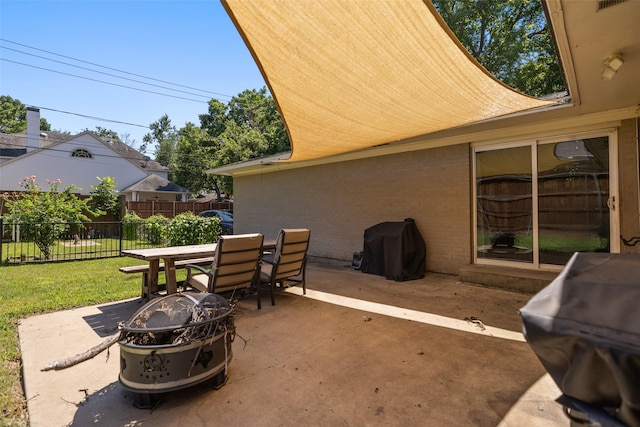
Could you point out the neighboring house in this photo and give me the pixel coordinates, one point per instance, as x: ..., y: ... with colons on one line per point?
x: 80, y: 160
x: 504, y: 201
x: 157, y: 188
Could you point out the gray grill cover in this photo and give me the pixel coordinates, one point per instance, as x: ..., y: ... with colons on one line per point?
x: 585, y: 329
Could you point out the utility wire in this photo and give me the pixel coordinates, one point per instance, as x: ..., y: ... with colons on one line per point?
x: 81, y: 115
x: 106, y: 74
x: 102, y: 81
x: 237, y: 101
x: 194, y: 159
x: 94, y: 117
x: 114, y: 69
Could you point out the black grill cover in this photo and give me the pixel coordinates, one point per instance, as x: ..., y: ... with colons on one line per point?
x: 585, y: 329
x: 394, y: 250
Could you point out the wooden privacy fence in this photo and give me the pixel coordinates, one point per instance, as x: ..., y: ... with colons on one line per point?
x: 171, y: 209
x: 571, y: 202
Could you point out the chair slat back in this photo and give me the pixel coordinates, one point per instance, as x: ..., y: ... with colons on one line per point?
x: 236, y: 261
x: 291, y: 250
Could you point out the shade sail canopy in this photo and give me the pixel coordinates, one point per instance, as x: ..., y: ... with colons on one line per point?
x: 352, y: 74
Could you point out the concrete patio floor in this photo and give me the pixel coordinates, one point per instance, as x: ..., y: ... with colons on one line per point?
x: 358, y: 350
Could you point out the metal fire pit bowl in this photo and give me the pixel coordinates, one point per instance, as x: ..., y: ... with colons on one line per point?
x: 175, y: 342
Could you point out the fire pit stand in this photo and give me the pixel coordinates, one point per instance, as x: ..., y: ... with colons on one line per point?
x: 176, y: 342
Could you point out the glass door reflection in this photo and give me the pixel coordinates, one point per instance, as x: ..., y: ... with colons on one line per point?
x: 573, y: 191
x: 504, y: 204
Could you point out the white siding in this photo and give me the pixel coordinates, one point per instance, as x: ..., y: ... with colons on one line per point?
x: 55, y: 162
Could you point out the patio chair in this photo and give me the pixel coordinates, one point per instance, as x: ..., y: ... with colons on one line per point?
x: 235, y: 268
x: 289, y: 261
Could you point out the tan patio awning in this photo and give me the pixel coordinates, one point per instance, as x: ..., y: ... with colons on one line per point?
x: 352, y: 74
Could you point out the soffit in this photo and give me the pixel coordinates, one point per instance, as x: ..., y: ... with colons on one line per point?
x: 589, y: 31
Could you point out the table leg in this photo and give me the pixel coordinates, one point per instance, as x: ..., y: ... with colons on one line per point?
x: 152, y: 277
x: 170, y: 274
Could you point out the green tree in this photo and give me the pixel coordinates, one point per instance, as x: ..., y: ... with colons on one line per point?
x: 215, y: 121
x: 104, y: 197
x: 250, y: 111
x: 194, y: 155
x: 163, y: 137
x: 238, y: 143
x: 13, y: 116
x: 510, y: 38
x: 256, y: 110
x: 103, y: 132
x: 126, y: 138
x: 248, y: 127
x: 45, y: 215
x: 44, y: 125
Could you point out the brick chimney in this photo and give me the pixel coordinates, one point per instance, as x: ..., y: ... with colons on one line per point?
x: 33, y: 128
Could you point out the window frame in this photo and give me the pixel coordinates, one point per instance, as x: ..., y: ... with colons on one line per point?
x: 534, y: 143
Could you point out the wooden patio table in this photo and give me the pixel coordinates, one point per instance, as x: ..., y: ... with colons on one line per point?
x: 169, y: 255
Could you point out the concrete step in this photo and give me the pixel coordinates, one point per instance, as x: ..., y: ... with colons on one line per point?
x: 510, y: 278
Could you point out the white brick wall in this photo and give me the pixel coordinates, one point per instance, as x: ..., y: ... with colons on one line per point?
x: 337, y: 202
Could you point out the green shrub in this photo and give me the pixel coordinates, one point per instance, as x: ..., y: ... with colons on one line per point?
x: 104, y: 197
x: 190, y: 229
x: 131, y: 224
x: 155, y: 229
x: 44, y: 216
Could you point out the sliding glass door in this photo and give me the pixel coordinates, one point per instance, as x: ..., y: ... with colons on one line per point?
x: 504, y: 204
x: 540, y: 202
x: 573, y: 194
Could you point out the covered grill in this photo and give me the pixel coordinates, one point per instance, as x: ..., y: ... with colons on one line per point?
x: 395, y: 250
x: 585, y: 329
x: 175, y: 342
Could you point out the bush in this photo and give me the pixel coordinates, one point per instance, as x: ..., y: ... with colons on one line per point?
x: 184, y: 229
x: 45, y: 215
x: 131, y: 226
x: 104, y: 197
x: 155, y: 229
x: 190, y: 229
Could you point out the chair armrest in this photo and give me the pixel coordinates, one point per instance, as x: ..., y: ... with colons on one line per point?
x: 197, y: 267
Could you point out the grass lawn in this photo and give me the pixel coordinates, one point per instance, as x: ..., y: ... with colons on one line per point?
x: 554, y: 244
x: 31, y: 289
x: 61, y: 250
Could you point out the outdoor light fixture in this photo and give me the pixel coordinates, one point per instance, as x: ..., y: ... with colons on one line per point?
x: 612, y: 64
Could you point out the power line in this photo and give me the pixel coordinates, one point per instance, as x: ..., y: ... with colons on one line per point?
x: 236, y: 100
x: 94, y: 117
x: 113, y: 69
x: 107, y: 74
x: 195, y: 159
x: 233, y: 98
x: 102, y: 119
x: 102, y: 81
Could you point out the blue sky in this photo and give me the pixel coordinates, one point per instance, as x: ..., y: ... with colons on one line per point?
x: 189, y: 43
